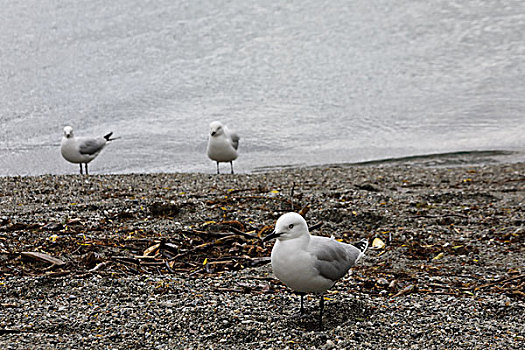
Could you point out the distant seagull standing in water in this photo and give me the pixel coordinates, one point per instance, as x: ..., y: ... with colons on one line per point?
x: 222, y: 144
x: 82, y: 149
x: 310, y: 264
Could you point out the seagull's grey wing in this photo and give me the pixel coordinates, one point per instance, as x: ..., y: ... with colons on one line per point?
x: 234, y: 138
x: 333, y: 259
x: 91, y: 146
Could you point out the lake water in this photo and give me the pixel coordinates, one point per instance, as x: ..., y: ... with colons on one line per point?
x: 303, y: 82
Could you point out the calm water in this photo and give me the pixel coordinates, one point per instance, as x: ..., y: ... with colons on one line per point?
x: 306, y: 82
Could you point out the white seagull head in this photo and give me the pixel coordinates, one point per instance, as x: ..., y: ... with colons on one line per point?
x: 216, y: 128
x: 289, y: 226
x: 68, y: 132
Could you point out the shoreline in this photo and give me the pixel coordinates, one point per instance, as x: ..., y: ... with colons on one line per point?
x: 462, y: 158
x: 453, y: 251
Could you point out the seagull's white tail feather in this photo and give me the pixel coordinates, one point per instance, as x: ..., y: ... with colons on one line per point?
x: 362, y: 245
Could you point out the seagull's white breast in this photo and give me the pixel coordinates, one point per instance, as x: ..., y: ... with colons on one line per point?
x: 220, y: 149
x: 295, y: 268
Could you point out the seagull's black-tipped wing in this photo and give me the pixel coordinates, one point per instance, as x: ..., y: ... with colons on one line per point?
x: 91, y: 146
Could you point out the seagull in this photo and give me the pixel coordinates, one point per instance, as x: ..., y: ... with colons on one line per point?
x: 222, y: 144
x: 82, y: 149
x: 310, y: 264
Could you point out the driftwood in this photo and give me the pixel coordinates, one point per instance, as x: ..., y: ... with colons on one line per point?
x: 100, y: 266
x: 407, y: 290
x: 43, y: 257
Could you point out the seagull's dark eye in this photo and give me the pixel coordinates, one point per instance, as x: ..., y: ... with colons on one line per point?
x: 290, y: 226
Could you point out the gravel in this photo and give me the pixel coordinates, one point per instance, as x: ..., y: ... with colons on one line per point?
x: 450, y: 276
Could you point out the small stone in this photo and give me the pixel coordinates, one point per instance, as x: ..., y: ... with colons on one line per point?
x: 329, y: 344
x: 382, y: 281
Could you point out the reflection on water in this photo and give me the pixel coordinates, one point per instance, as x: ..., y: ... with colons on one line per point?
x: 306, y: 82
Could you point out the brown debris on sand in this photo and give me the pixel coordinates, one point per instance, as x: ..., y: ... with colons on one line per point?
x: 433, y: 221
x: 455, y: 233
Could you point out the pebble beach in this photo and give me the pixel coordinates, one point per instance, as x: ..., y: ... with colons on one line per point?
x: 175, y: 261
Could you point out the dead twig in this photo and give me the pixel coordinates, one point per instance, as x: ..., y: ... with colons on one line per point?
x: 43, y: 257
x: 428, y: 216
x: 316, y: 226
x: 500, y: 281
x: 126, y: 259
x: 407, y: 290
x: 100, y: 266
x: 242, y: 190
x: 245, y: 234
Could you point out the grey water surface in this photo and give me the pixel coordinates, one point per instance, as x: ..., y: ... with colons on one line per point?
x: 303, y: 82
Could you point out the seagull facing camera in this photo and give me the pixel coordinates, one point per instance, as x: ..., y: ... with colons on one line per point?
x: 222, y: 145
